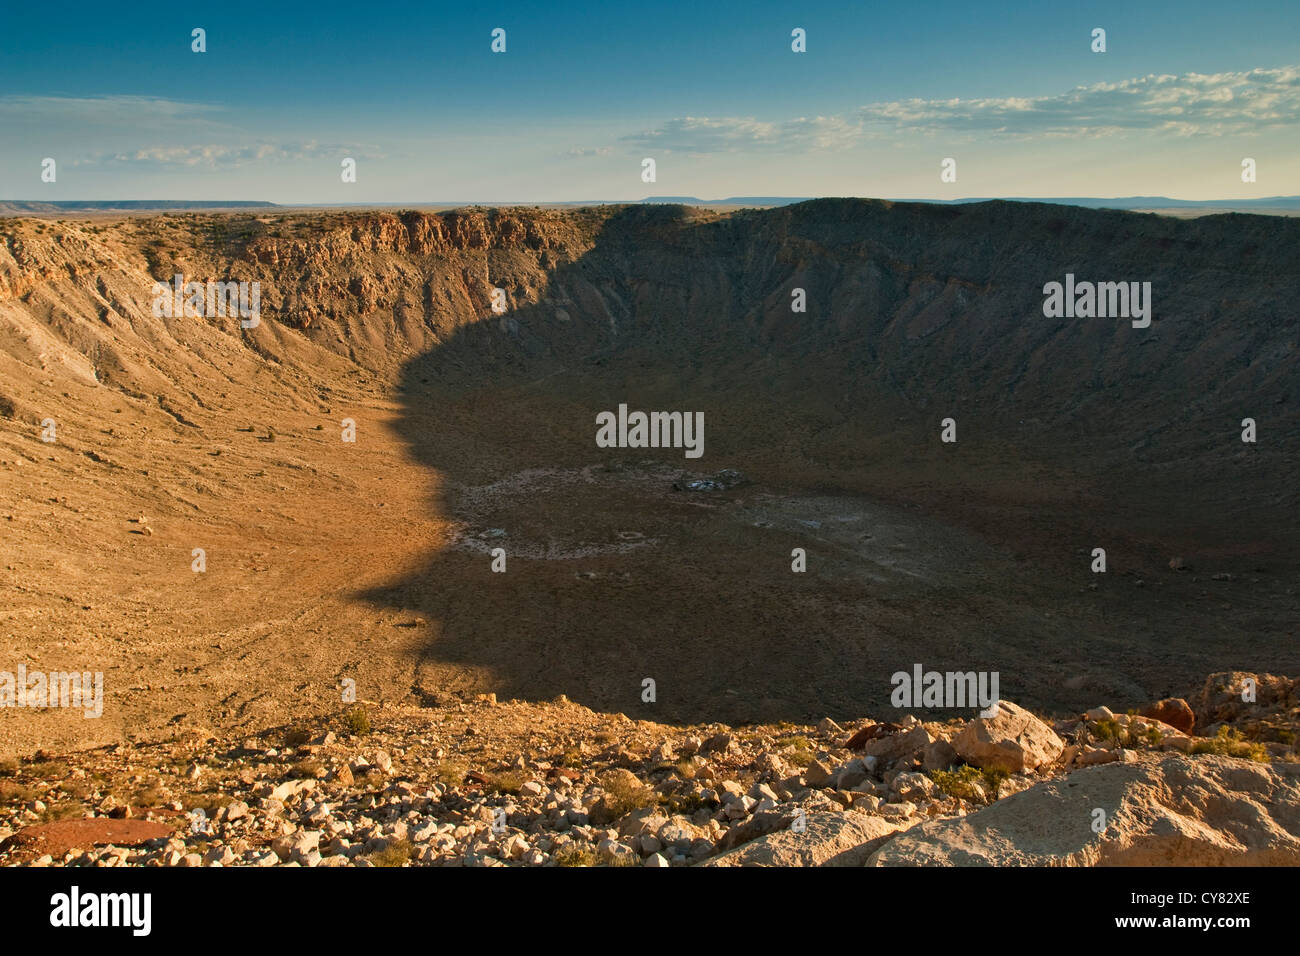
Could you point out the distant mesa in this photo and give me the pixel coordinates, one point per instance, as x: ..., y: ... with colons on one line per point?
x: 1124, y: 202
x: 17, y: 207
x: 28, y: 207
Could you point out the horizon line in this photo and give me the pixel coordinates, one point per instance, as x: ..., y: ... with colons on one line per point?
x: 665, y: 200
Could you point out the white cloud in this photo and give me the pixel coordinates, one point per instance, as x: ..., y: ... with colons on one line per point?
x: 580, y: 151
x: 1193, y: 104
x: 699, y: 134
x: 1188, y: 105
x: 113, y: 111
x: 159, y: 133
x: 221, y: 156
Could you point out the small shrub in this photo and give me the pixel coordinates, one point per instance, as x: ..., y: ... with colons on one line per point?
x: 63, y: 811
x: 54, y: 769
x: 801, y: 751
x: 683, y: 803
x: 151, y: 795
x: 78, y: 789
x: 1230, y: 743
x: 209, y: 803
x: 970, y: 783
x: 964, y: 782
x: 623, y: 796
x: 397, y: 853
x: 993, y: 777
x: 507, y: 781
x: 573, y: 854
x: 1108, y: 729
x: 357, y: 721
x: 451, y: 773
x: 12, y: 792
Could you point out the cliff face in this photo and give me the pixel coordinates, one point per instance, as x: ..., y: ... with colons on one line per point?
x: 1073, y: 433
x: 912, y: 314
x: 909, y: 299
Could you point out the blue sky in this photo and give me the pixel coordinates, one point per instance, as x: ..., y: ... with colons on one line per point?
x: 711, y: 91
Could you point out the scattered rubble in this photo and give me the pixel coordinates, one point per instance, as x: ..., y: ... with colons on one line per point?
x: 477, y: 782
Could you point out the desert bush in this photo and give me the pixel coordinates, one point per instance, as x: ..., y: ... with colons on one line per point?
x: 969, y: 783
x: 397, y: 853
x: 574, y: 854
x: 1230, y: 743
x: 623, y: 796
x: 801, y: 751
x: 357, y: 721
x: 505, y: 781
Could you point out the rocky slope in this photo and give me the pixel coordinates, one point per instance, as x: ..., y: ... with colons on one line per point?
x: 477, y: 782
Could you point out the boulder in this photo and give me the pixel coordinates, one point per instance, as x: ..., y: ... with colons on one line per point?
x: 640, y: 822
x: 1014, y: 740
x: 871, y: 732
x: 1221, y: 697
x: 1164, y: 810
x: 63, y: 836
x: 291, y: 788
x: 1174, y: 711
x: 1091, y: 756
x: 912, y: 786
x: 938, y: 756
x: 817, y: 774
x: 296, y: 845
x: 889, y: 748
x: 829, y: 839
x: 722, y: 743
x: 756, y: 826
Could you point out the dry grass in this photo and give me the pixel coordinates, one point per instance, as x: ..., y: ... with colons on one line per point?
x: 1231, y: 743
x: 397, y: 853
x: 622, y: 796
x: 574, y: 854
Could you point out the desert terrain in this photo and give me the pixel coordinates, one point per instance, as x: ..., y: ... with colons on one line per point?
x: 370, y: 561
x: 367, y: 560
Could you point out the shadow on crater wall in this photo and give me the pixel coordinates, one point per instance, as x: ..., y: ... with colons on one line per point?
x: 963, y: 557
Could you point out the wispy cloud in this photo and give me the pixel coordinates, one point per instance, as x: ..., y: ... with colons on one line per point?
x: 698, y: 134
x: 112, y: 111
x: 580, y: 151
x: 1193, y: 104
x: 221, y: 156
x: 157, y: 133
